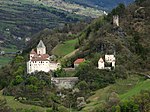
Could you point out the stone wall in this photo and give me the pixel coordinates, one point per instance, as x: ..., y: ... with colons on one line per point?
x: 64, y: 82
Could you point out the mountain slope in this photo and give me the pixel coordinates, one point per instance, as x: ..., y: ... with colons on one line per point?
x: 130, y: 44
x: 126, y: 89
x: 100, y: 4
x: 130, y: 40
x: 21, y: 19
x: 72, y: 7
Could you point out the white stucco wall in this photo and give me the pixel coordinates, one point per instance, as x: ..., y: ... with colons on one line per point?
x: 45, y: 66
x: 31, y: 55
x: 101, y: 65
x: 41, y: 50
x: 109, y: 58
x: 33, y: 66
x: 113, y: 64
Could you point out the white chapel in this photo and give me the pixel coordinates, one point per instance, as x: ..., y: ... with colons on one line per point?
x: 40, y: 61
x: 107, y: 63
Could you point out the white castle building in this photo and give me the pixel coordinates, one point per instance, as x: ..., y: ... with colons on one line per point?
x: 40, y: 61
x: 107, y: 63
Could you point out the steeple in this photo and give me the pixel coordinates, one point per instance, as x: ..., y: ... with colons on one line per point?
x: 41, y: 49
x: 41, y: 44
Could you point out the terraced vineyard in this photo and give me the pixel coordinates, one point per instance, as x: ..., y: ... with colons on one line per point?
x: 72, y: 7
x: 100, y: 4
x: 20, y: 19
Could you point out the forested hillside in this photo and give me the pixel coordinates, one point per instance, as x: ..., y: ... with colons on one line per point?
x: 129, y: 41
x: 21, y: 19
x: 125, y: 88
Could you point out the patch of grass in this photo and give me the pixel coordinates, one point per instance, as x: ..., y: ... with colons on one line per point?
x: 65, y: 48
x: 143, y: 85
x: 4, y: 60
x: 125, y: 88
x: 10, y: 50
x: 17, y: 105
x: 71, y: 73
x: 97, y: 99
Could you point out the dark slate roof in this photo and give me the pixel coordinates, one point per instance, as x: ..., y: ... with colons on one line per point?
x: 41, y: 44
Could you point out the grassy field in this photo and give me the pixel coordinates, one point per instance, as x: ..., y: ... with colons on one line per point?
x: 4, y: 60
x: 125, y: 88
x: 10, y: 50
x: 143, y: 85
x: 17, y: 105
x: 65, y: 48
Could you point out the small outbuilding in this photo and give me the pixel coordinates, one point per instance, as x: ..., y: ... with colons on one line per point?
x: 107, y: 63
x: 78, y: 61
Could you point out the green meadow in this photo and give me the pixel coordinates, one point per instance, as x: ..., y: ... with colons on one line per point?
x: 65, y: 48
x: 11, y: 102
x: 126, y: 89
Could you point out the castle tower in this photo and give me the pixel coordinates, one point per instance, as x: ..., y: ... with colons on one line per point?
x: 41, y: 49
x: 116, y: 20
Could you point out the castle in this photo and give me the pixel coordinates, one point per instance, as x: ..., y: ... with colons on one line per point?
x: 40, y: 61
x: 107, y: 63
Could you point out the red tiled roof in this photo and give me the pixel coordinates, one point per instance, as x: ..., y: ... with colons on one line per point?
x: 42, y: 57
x: 78, y: 61
x: 39, y: 59
x: 33, y: 52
